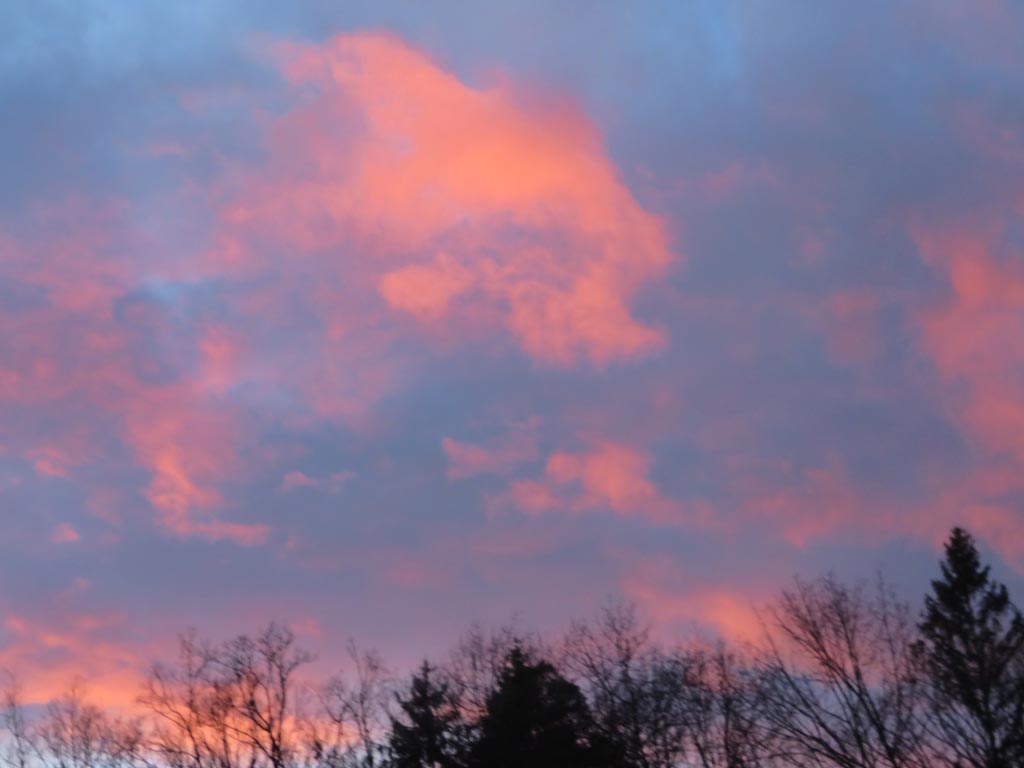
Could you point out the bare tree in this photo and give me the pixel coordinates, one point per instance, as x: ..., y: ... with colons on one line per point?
x: 124, y: 744
x: 261, y: 671
x: 635, y: 692
x: 724, y: 706
x: 71, y: 731
x: 229, y: 707
x: 357, y: 707
x: 75, y: 733
x: 841, y: 679
x: 192, y: 709
x: 19, y: 747
x: 697, y: 705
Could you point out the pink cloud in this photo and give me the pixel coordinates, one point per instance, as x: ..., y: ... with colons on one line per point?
x: 80, y: 370
x: 64, y: 534
x: 605, y: 476
x: 673, y: 598
x: 296, y: 479
x: 394, y: 201
x: 810, y: 503
x: 190, y: 447
x: 426, y: 290
x: 974, y: 337
x: 469, y: 459
x: 50, y: 461
x: 48, y: 653
x: 474, y: 206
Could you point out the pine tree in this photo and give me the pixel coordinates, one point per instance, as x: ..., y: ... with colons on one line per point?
x: 972, y: 652
x: 535, y: 718
x: 432, y: 734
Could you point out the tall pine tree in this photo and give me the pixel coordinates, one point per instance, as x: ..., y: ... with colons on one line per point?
x: 536, y: 718
x: 972, y: 652
x: 431, y: 733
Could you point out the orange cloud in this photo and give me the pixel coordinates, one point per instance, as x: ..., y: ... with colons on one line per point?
x: 393, y: 201
x: 81, y: 375
x: 190, y: 448
x: 664, y: 592
x: 461, y: 203
x: 607, y: 475
x: 426, y: 290
x: 46, y: 655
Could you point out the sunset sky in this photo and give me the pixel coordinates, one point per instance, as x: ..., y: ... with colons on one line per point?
x: 383, y: 318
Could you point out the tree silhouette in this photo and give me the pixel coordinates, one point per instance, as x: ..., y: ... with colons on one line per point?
x: 231, y: 706
x: 841, y: 676
x: 971, y: 646
x: 838, y: 675
x: 636, y: 692
x: 535, y: 718
x: 356, y: 707
x: 430, y: 733
x: 18, y: 747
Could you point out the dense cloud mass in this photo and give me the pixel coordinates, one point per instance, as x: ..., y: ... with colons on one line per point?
x: 381, y: 320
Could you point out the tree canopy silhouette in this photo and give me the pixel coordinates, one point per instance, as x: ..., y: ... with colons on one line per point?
x: 972, y: 639
x: 430, y: 733
x: 535, y: 718
x: 842, y: 676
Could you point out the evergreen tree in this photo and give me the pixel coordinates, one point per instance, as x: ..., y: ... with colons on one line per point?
x: 432, y: 734
x: 535, y: 718
x: 972, y: 651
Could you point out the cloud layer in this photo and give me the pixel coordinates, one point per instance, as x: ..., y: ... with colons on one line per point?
x: 373, y: 321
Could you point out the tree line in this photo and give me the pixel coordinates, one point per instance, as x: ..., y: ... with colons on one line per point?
x: 843, y: 675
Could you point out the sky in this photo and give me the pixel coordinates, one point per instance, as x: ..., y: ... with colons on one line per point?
x: 379, y: 319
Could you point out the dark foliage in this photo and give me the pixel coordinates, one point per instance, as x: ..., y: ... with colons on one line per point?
x: 972, y: 639
x: 430, y: 732
x: 842, y: 675
x: 535, y: 718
